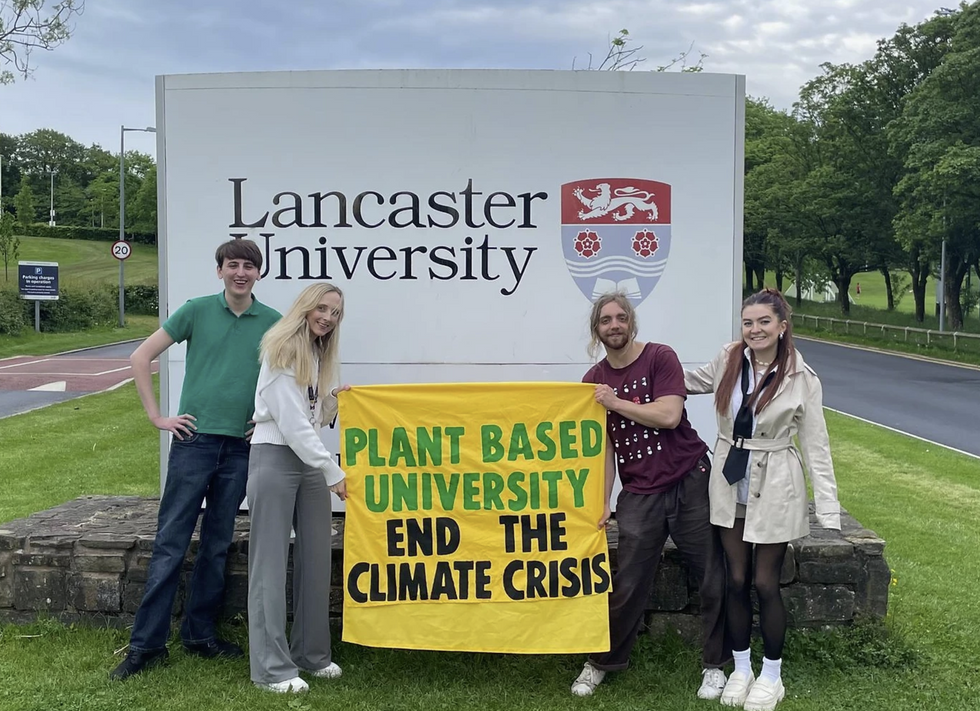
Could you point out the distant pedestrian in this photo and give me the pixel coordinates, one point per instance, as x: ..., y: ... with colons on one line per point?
x: 765, y: 395
x: 857, y: 288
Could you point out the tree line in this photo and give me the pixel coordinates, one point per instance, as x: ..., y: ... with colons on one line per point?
x: 86, y: 182
x: 874, y: 168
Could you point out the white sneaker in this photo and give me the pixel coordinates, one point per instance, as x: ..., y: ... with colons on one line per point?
x: 588, y: 680
x: 765, y: 694
x: 290, y: 686
x: 712, y: 684
x: 332, y: 671
x: 737, y: 689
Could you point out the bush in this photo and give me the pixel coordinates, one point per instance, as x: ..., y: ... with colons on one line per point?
x: 100, y: 234
x: 12, y: 312
x: 142, y: 299
x: 77, y: 309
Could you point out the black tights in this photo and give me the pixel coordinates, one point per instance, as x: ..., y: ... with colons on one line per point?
x: 768, y: 565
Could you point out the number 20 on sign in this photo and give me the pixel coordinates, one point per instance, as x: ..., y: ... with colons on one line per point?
x: 121, y: 250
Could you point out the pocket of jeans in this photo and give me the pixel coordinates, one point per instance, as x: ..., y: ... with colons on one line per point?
x: 187, y: 439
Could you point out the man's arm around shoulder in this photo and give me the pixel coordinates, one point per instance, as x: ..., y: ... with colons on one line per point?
x: 148, y: 351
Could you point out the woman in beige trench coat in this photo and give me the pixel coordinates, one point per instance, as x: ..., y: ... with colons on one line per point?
x: 765, y: 395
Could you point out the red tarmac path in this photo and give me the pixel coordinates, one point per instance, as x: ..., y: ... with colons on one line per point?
x: 29, y: 382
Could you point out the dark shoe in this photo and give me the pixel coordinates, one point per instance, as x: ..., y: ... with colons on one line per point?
x: 136, y: 662
x: 215, y: 648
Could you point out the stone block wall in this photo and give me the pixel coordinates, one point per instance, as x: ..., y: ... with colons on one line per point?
x: 87, y: 559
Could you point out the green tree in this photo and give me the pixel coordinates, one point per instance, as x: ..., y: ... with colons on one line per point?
x: 9, y: 244
x: 145, y: 205
x: 27, y: 25
x: 938, y: 133
x: 24, y: 206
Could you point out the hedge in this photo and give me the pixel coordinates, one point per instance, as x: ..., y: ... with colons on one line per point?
x: 101, y: 234
x: 76, y: 309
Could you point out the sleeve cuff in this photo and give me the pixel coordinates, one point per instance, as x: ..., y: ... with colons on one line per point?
x: 333, y: 473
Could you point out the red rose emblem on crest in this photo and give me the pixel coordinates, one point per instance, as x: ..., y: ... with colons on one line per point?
x: 588, y: 244
x: 645, y: 243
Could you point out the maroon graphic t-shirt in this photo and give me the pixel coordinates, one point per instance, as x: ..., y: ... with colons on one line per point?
x: 649, y: 459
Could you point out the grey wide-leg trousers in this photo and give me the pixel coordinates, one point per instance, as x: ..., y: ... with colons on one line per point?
x: 283, y: 492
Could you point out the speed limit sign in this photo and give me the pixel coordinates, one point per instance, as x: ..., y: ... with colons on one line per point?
x: 121, y: 250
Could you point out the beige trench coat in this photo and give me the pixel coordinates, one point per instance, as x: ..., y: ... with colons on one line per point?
x: 777, y: 504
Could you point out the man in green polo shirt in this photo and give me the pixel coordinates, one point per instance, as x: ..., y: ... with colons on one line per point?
x: 208, y: 455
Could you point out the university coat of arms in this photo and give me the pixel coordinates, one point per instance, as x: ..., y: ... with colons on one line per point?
x: 615, y: 235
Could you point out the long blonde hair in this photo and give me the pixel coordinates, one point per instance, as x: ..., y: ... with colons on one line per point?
x: 287, y: 346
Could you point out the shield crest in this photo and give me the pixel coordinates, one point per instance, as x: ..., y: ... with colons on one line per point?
x: 615, y: 235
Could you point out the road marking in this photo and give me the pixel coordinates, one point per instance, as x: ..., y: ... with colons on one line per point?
x: 115, y: 370
x: 56, y: 387
x: 900, y: 354
x: 29, y: 362
x: 903, y: 432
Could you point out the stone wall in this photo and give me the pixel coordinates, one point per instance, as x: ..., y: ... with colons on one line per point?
x: 86, y: 560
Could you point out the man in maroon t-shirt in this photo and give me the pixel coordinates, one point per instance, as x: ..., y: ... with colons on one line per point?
x: 663, y: 467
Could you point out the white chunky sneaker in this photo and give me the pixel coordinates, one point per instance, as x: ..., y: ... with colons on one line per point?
x: 332, y: 671
x: 712, y: 684
x: 289, y: 686
x: 737, y: 689
x: 764, y: 695
x: 588, y: 680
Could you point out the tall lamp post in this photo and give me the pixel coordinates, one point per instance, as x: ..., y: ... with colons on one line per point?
x: 51, y: 222
x: 122, y: 214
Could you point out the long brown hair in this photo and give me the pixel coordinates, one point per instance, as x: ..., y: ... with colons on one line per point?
x: 617, y: 297
x: 785, y: 356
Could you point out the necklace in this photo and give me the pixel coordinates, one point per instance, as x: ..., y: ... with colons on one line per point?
x: 763, y: 364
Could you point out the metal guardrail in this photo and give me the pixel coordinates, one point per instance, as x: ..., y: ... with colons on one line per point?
x: 932, y: 336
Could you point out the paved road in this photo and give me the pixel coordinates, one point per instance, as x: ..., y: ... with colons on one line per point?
x: 930, y: 400
x: 70, y: 375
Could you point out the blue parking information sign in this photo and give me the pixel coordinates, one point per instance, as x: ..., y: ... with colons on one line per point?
x: 38, y: 280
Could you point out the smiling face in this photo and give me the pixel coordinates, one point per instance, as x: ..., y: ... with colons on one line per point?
x: 614, y: 328
x: 324, y: 318
x: 239, y: 276
x: 761, y: 329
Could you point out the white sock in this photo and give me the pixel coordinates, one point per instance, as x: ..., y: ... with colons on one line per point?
x: 771, y: 669
x: 743, y: 661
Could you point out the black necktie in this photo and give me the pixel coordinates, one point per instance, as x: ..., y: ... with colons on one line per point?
x: 738, y: 458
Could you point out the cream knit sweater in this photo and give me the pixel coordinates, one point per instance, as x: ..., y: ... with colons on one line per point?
x: 282, y: 416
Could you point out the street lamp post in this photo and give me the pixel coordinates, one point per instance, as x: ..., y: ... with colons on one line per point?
x: 51, y: 221
x: 122, y: 214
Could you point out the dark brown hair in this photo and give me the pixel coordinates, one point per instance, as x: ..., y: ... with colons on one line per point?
x: 238, y: 248
x: 784, y: 360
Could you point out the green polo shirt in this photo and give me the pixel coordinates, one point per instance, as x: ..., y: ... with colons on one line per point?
x: 222, y: 361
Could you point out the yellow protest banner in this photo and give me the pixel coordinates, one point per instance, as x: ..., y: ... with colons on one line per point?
x: 471, y: 517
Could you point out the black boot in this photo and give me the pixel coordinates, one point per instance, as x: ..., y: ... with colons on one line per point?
x: 137, y: 661
x: 215, y: 648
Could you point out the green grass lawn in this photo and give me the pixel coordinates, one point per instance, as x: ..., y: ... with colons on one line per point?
x: 873, y: 301
x: 924, y: 500
x: 88, y: 262
x: 29, y: 342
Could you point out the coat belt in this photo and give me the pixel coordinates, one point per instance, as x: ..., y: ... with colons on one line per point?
x: 759, y: 445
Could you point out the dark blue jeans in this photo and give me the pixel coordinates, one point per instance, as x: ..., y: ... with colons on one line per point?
x: 204, y: 467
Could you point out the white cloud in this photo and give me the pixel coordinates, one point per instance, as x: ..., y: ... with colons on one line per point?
x: 104, y: 75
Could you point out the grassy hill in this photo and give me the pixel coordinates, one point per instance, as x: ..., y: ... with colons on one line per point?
x: 85, y: 262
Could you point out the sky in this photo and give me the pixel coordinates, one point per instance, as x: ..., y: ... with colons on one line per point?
x: 104, y: 75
